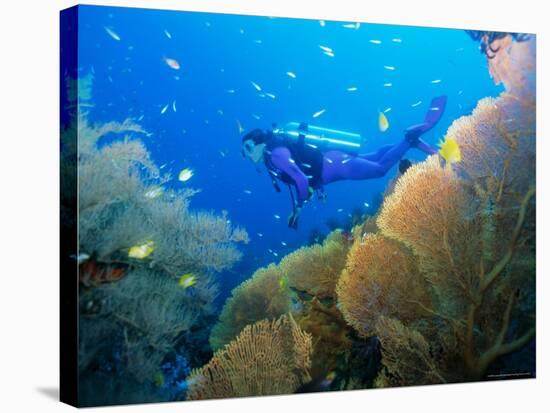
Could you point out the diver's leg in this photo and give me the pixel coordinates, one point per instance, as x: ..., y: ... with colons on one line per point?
x: 339, y: 166
x: 375, y: 156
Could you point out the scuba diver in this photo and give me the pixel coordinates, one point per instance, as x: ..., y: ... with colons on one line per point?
x: 306, y: 157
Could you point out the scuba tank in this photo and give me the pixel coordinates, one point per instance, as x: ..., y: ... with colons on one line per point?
x: 317, y: 137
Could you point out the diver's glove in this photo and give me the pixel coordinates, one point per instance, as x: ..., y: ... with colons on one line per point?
x: 293, y: 218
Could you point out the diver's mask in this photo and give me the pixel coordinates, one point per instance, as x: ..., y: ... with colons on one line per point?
x: 253, y: 151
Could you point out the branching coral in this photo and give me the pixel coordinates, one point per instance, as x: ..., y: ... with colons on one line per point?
x: 315, y: 269
x: 381, y: 278
x: 268, y: 357
x: 257, y: 298
x: 407, y: 355
x: 147, y: 312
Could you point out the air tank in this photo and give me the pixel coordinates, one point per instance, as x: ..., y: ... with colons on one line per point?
x: 324, y: 139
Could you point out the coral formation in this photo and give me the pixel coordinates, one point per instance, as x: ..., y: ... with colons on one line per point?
x: 381, y: 278
x: 470, y: 229
x: 133, y: 313
x: 315, y: 269
x: 259, y: 297
x: 266, y: 358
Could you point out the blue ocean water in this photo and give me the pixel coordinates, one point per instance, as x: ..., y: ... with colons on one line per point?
x: 212, y: 93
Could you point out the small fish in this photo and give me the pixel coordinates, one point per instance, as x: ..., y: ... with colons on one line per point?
x: 312, y: 145
x: 172, y: 63
x: 80, y: 258
x: 416, y: 104
x: 257, y: 117
x: 219, y: 112
x: 258, y: 41
x: 271, y: 95
x: 163, y: 166
x: 329, y: 160
x: 291, y: 74
x: 434, y: 108
x: 366, y: 204
x: 340, y: 210
x: 389, y: 67
x: 240, y: 127
x: 460, y: 92
x: 383, y: 123
x: 450, y: 151
x: 260, y: 234
x: 349, y: 26
x: 331, y: 54
x: 167, y: 33
x: 142, y: 251
x: 292, y: 160
x: 326, y: 49
x: 319, y: 113
x: 112, y: 33
x: 387, y: 110
x: 154, y: 192
x: 256, y: 86
x: 247, y: 191
x: 277, y: 216
x: 322, y: 23
x: 274, y: 253
x: 158, y: 379
x: 306, y: 165
x: 174, y: 105
x: 187, y: 280
x: 435, y: 81
x: 185, y: 175
x: 396, y: 40
x: 374, y: 41
x: 230, y: 91
x: 283, y: 244
x: 222, y: 153
x: 164, y: 109
x: 388, y: 84
x: 352, y: 89
x: 346, y: 160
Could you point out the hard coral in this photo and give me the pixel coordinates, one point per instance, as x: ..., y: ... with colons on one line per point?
x: 266, y: 358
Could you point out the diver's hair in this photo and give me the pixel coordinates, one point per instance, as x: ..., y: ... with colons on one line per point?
x: 256, y: 135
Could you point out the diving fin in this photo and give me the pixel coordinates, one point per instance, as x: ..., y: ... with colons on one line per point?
x: 434, y: 113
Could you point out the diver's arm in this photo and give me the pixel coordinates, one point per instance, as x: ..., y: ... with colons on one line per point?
x: 282, y: 159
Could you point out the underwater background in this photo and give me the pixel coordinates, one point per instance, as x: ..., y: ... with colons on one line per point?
x: 160, y: 92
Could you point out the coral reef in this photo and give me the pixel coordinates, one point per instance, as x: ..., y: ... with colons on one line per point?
x: 266, y: 358
x: 315, y: 269
x: 381, y: 278
x: 133, y: 313
x: 462, y: 237
x: 261, y: 296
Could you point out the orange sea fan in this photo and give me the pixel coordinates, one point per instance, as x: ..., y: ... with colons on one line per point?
x: 315, y: 269
x: 268, y: 357
x: 381, y: 278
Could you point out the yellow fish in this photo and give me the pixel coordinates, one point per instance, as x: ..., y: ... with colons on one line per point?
x: 241, y: 129
x: 187, y: 280
x: 383, y: 123
x: 185, y: 175
x: 283, y: 282
x: 159, y: 379
x: 142, y: 251
x: 450, y: 151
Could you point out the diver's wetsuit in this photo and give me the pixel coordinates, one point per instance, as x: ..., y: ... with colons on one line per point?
x: 338, y: 165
